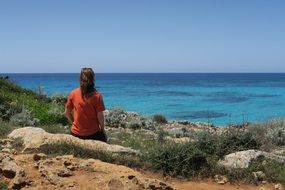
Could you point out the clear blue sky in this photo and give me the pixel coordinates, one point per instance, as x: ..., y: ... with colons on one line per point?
x: 142, y: 35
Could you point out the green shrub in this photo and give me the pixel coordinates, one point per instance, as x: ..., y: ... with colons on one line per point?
x: 6, y: 128
x: 180, y: 160
x: 274, y: 172
x: 276, y: 132
x: 236, y: 141
x: 3, y: 185
x: 39, y: 105
x: 59, y: 98
x: 160, y: 119
x: 24, y: 118
x: 270, y: 134
x: 161, y: 135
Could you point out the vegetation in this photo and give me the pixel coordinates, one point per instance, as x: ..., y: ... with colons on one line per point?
x: 3, y: 185
x: 195, y: 159
x: 6, y: 128
x: 25, y: 107
x: 160, y: 119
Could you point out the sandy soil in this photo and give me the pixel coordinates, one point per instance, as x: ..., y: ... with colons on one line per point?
x: 100, y: 175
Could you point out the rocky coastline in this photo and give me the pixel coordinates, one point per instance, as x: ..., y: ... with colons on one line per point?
x: 33, y: 127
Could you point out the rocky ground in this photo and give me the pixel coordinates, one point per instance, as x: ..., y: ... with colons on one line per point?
x: 38, y: 171
x: 254, y: 154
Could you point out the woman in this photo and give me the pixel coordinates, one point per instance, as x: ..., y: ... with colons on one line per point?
x: 84, y: 109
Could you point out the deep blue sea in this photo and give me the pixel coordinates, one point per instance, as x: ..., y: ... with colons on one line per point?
x: 217, y: 98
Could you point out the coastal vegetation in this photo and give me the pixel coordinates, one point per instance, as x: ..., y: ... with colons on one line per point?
x: 175, y: 148
x: 25, y: 108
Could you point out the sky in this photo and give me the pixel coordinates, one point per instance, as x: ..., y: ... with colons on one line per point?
x: 142, y: 36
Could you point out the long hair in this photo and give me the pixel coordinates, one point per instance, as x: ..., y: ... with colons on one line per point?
x: 87, y: 77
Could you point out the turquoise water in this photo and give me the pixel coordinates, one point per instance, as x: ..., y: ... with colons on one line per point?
x: 217, y: 98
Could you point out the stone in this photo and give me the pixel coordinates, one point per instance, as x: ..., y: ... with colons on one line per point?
x: 6, y: 150
x: 19, y: 182
x: 242, y: 159
x: 34, y: 137
x: 220, y: 179
x: 278, y: 186
x: 154, y: 184
x: 259, y: 175
x: 54, y: 170
x: 39, y: 156
x: 11, y: 169
x: 263, y: 188
x: 115, y: 184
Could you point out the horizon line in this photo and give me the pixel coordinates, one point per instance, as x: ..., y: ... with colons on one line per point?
x: 146, y: 73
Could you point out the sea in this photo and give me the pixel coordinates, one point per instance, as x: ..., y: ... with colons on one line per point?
x: 217, y: 98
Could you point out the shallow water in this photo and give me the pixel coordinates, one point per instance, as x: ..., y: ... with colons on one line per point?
x: 217, y: 98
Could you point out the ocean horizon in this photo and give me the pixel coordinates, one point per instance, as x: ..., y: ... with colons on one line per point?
x: 217, y: 98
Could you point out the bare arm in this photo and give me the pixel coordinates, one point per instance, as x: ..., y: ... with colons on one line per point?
x: 68, y: 115
x: 101, y: 120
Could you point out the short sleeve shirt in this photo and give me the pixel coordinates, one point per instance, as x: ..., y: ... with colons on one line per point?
x: 85, y: 112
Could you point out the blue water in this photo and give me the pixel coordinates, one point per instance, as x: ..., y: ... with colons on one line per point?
x: 217, y: 98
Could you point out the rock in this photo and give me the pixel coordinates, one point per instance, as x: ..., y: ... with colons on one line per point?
x: 19, y: 181
x: 278, y: 186
x: 34, y: 137
x: 115, y: 184
x: 11, y: 169
x: 156, y: 184
x: 259, y: 175
x: 6, y: 143
x: 189, y: 129
x: 263, y: 188
x: 242, y: 159
x: 220, y: 179
x: 54, y: 171
x: 279, y: 151
x: 117, y: 118
x: 39, y: 156
x: 6, y: 150
x: 72, y: 184
x: 134, y: 182
x: 179, y: 140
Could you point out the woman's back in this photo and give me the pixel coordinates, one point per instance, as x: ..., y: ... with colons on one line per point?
x: 85, y: 112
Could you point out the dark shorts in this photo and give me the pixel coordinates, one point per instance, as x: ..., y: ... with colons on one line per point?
x: 99, y: 136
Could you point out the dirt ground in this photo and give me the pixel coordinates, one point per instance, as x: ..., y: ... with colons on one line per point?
x: 95, y: 174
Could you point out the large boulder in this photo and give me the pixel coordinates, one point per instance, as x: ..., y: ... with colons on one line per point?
x: 34, y: 137
x: 242, y: 159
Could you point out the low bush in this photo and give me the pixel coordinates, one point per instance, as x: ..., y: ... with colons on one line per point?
x: 199, y: 158
x: 6, y: 128
x: 270, y: 134
x: 274, y: 172
x: 160, y: 119
x: 3, y: 185
x: 236, y: 141
x: 180, y: 160
x: 24, y: 118
x: 39, y: 106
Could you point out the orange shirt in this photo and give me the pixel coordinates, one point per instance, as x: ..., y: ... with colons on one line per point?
x: 85, y: 112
